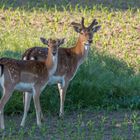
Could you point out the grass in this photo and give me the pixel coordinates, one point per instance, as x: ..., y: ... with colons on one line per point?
x: 85, y: 125
x: 109, y: 78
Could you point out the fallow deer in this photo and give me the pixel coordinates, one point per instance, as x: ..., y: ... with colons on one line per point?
x: 28, y: 76
x: 69, y: 59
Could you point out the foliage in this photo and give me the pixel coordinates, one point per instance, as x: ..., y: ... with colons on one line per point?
x: 109, y: 77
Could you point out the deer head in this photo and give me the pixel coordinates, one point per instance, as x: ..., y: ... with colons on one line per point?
x: 53, y: 44
x: 86, y: 33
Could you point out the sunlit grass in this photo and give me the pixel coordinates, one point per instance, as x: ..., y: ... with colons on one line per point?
x: 109, y: 78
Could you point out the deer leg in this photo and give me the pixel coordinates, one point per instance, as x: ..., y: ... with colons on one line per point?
x: 62, y: 92
x: 27, y: 99
x: 42, y: 116
x: 36, y: 99
x: 6, y: 95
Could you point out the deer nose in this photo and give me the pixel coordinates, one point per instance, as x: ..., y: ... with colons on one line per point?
x: 54, y: 53
x: 90, y: 41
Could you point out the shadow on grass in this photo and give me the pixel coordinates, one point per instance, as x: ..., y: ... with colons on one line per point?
x: 105, y: 81
x: 11, y: 54
x: 66, y: 4
x: 102, y: 81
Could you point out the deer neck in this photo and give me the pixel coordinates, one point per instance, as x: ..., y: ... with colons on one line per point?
x: 81, y: 49
x: 51, y: 62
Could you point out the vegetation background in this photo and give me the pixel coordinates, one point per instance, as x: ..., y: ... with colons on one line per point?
x: 103, y: 99
x: 109, y: 77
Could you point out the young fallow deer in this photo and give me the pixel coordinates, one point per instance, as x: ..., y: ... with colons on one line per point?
x: 31, y: 76
x: 69, y: 59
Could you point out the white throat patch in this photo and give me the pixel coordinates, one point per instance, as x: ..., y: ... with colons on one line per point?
x: 55, y: 59
x: 87, y: 46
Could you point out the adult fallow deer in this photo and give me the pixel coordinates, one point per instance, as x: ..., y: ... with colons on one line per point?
x: 69, y: 59
x: 31, y: 76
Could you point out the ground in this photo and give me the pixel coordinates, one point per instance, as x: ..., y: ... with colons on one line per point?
x: 86, y: 124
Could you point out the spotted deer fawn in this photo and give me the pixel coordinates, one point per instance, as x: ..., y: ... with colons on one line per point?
x: 28, y: 76
x: 69, y: 59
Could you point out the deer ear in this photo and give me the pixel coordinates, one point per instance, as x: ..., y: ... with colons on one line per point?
x: 44, y: 41
x: 95, y: 29
x: 61, y: 41
x: 76, y: 26
x: 77, y: 29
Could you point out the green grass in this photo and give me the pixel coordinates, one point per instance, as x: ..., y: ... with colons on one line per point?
x: 85, y: 125
x: 109, y: 77
x: 108, y: 80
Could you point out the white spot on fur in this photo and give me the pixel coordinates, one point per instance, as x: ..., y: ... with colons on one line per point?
x: 32, y: 58
x: 25, y: 58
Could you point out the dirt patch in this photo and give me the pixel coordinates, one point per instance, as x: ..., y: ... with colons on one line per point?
x: 84, y: 124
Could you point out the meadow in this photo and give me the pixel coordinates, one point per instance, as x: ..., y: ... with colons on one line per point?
x: 107, y: 85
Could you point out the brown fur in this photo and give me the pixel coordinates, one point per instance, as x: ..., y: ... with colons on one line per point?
x: 16, y: 68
